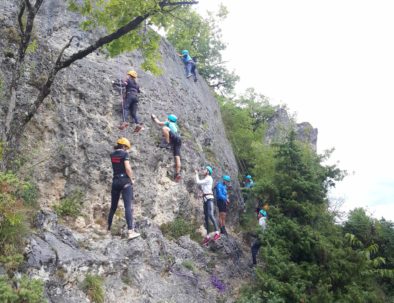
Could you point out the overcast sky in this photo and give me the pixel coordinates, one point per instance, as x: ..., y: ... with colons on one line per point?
x: 331, y: 62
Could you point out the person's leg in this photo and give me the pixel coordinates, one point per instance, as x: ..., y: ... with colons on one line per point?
x: 193, y: 70
x: 127, y: 195
x: 177, y: 165
x: 126, y: 107
x: 211, y: 214
x: 115, y: 195
x: 133, y: 110
x: 189, y: 69
x: 166, y: 134
x: 255, y: 249
x: 206, y: 215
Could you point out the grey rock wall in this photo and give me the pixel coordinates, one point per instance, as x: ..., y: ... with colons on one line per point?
x: 68, y: 145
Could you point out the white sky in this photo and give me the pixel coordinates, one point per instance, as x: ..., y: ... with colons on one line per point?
x: 331, y: 62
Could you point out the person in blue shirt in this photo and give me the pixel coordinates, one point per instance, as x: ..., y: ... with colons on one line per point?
x: 171, y: 139
x: 222, y: 201
x: 262, y: 217
x: 190, y: 64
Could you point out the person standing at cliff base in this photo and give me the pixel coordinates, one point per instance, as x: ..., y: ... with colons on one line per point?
x: 222, y: 201
x: 262, y: 217
x: 190, y: 64
x: 130, y: 101
x: 122, y: 183
x: 206, y: 185
x: 171, y: 139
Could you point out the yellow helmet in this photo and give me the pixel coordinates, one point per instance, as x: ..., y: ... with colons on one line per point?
x: 132, y: 73
x: 124, y: 141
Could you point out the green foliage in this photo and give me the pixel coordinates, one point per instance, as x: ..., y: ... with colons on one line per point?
x: 15, y: 204
x: 203, y: 38
x: 93, y: 286
x: 189, y: 265
x: 28, y: 290
x: 178, y: 228
x: 32, y: 48
x: 114, y: 14
x: 71, y: 205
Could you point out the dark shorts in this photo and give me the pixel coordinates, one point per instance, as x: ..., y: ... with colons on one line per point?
x: 222, y: 205
x: 176, y: 143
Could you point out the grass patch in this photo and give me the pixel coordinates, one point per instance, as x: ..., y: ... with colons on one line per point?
x: 70, y: 206
x: 189, y: 265
x: 180, y: 227
x: 94, y: 288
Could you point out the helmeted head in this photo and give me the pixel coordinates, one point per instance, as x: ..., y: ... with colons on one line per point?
x: 226, y: 178
x: 172, y: 118
x: 123, y: 141
x: 248, y: 177
x: 209, y: 170
x: 185, y: 52
x: 132, y: 73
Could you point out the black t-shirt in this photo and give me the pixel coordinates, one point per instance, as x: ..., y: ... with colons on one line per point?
x: 117, y: 158
x: 132, y: 86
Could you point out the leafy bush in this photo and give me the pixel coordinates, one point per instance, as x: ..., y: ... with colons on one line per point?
x: 70, y: 206
x: 94, y: 289
x: 28, y: 290
x: 180, y: 227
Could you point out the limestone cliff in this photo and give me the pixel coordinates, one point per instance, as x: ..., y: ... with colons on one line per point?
x: 68, y: 145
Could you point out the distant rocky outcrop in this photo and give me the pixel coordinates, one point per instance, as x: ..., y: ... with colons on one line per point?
x: 280, y: 124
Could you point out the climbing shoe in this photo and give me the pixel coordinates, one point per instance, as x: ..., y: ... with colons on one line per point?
x: 123, y: 125
x: 138, y: 128
x: 206, y: 241
x: 164, y: 144
x: 189, y: 75
x: 223, y: 230
x: 132, y: 235
x: 216, y: 237
x: 178, y: 177
x: 195, y: 79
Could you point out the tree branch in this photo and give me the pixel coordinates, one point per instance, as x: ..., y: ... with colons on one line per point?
x: 105, y: 40
x: 166, y: 3
x: 22, y: 7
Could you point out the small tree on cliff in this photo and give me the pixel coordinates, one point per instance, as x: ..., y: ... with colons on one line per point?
x: 121, y: 21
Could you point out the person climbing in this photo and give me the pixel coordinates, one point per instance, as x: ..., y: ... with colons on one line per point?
x: 206, y: 187
x: 130, y: 101
x: 122, y: 183
x: 222, y: 201
x: 262, y: 217
x: 171, y: 139
x: 248, y: 182
x: 190, y: 64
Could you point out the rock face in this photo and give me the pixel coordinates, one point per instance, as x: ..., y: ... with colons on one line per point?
x: 281, y: 124
x: 68, y: 145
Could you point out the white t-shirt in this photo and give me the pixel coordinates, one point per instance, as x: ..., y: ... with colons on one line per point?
x: 263, y: 223
x: 206, y: 186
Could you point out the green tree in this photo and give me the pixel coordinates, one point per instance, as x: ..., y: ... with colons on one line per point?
x: 203, y: 38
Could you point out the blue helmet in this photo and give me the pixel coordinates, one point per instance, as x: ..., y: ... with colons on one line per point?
x: 209, y: 169
x: 185, y: 52
x: 226, y: 178
x: 172, y: 118
x: 248, y: 177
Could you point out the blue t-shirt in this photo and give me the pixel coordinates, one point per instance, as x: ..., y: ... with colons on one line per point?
x: 172, y: 126
x: 186, y: 58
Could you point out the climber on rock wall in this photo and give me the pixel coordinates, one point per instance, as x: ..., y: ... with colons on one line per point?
x: 206, y: 187
x: 171, y: 139
x: 222, y: 201
x: 262, y: 217
x: 190, y: 64
x: 130, y: 100
x: 122, y: 183
x: 248, y: 182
